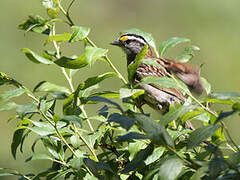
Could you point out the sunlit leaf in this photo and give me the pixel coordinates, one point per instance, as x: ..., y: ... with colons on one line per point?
x: 147, y: 36
x: 5, y: 96
x: 187, y: 54
x: 206, y: 85
x: 165, y: 82
x: 175, y: 113
x: 168, y: 44
x: 95, y: 80
x: 170, y: 169
x: 52, y: 8
x: 89, y: 57
x: 35, y: 24
x: 45, y: 86
x: 134, y: 93
x: 58, y: 38
x: 35, y: 57
x: 79, y: 33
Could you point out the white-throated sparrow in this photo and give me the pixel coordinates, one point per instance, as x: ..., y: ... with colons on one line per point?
x: 156, y: 96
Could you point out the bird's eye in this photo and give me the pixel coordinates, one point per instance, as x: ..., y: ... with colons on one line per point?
x: 127, y: 41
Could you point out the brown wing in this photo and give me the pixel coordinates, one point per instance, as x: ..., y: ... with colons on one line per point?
x: 145, y: 70
x: 189, y: 74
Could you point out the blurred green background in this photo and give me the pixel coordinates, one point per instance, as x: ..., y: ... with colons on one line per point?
x: 212, y: 25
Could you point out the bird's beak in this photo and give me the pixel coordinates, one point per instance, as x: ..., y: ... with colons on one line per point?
x: 115, y: 43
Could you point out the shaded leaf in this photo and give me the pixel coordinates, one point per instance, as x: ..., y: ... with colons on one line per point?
x: 139, y: 159
x: 170, y: 169
x: 224, y: 115
x: 130, y: 136
x: 96, y: 166
x: 154, y: 131
x: 73, y: 119
x: 17, y: 137
x: 41, y: 157
x: 201, y: 134
x: 102, y: 99
x: 35, y: 57
x: 168, y: 44
x: 124, y: 121
x: 79, y: 33
x: 147, y: 36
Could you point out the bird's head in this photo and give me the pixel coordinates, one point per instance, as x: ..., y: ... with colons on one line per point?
x: 131, y: 44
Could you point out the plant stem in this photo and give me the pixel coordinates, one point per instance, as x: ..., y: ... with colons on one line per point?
x: 85, y: 142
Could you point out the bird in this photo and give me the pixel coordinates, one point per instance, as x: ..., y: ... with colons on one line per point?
x: 156, y: 96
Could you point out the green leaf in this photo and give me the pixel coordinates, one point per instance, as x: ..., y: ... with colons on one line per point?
x: 187, y: 54
x: 166, y: 45
x: 152, y: 62
x: 124, y: 121
x: 95, y: 167
x: 234, y: 158
x: 107, y: 94
x: 236, y: 106
x: 70, y: 63
x: 154, y: 131
x: 206, y: 85
x: 134, y: 93
x: 147, y: 36
x: 73, y: 119
x: 224, y: 115
x: 89, y: 57
x: 5, y: 96
x: 201, y: 134
x: 17, y: 137
x: 5, y: 80
x: 79, y: 33
x: 139, y: 159
x: 137, y: 61
x: 225, y: 95
x: 170, y: 169
x: 45, y: 86
x: 164, y: 82
x: 52, y: 8
x: 58, y: 38
x: 35, y: 24
x: 175, y: 113
x: 102, y: 99
x: 94, y: 53
x: 95, y: 80
x: 35, y: 57
x: 8, y: 106
x: 130, y: 136
x: 156, y: 154
x: 199, y: 173
x: 41, y: 157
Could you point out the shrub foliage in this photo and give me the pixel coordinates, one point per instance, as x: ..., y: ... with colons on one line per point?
x: 125, y: 142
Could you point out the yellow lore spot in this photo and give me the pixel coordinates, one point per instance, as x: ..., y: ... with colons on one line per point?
x: 123, y: 38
